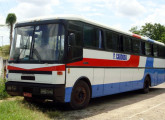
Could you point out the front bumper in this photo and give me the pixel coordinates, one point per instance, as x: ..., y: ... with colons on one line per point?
x: 19, y: 88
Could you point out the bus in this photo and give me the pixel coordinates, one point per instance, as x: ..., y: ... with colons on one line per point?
x: 72, y: 59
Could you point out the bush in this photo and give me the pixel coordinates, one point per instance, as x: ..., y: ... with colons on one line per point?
x: 3, y: 93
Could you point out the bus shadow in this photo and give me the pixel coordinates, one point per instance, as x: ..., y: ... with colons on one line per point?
x: 98, y: 105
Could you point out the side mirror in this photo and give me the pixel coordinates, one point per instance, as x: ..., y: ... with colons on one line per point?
x: 71, y: 39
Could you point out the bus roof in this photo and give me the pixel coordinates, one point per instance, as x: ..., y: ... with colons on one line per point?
x: 78, y: 18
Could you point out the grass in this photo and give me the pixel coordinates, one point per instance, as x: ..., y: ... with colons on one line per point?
x: 3, y: 93
x: 15, y: 108
x: 18, y: 109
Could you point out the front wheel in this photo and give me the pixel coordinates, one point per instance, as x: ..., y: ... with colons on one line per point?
x: 80, y: 95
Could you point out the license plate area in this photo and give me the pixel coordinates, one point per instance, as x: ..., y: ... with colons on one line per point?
x: 25, y: 94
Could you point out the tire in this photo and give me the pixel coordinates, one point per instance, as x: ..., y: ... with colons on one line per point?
x: 146, y: 85
x: 80, y: 95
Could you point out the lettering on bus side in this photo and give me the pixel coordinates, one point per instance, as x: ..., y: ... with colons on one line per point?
x: 119, y: 56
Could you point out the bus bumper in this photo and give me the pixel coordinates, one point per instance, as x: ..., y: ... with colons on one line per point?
x: 36, y: 90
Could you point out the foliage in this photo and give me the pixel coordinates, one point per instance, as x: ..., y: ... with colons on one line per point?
x: 4, y: 51
x: 10, y: 20
x: 3, y: 93
x: 154, y: 31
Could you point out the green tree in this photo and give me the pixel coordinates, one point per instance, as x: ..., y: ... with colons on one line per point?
x: 135, y: 30
x: 10, y: 20
x: 154, y: 31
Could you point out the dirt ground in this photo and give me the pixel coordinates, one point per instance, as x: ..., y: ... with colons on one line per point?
x: 125, y: 106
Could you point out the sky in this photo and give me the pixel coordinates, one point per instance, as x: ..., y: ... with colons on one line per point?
x: 120, y: 14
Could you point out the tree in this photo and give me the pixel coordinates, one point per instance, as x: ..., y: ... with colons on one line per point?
x: 135, y: 30
x: 154, y: 31
x: 10, y: 20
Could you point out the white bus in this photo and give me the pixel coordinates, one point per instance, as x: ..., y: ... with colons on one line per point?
x: 70, y: 59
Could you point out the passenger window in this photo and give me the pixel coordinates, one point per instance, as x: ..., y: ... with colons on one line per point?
x: 93, y: 37
x: 143, y: 48
x: 127, y: 44
x: 136, y: 46
x: 75, y: 49
x: 112, y: 40
x: 161, y: 51
x: 155, y: 50
x: 89, y: 36
x: 148, y: 49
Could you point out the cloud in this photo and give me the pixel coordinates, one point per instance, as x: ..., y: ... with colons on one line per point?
x: 40, y: 3
x: 129, y: 8
x: 4, y: 36
x: 33, y: 8
x: 154, y: 16
x: 2, y: 19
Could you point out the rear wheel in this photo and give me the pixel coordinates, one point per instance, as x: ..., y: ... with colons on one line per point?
x: 146, y: 85
x: 80, y: 95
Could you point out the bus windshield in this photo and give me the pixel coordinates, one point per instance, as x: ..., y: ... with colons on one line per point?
x: 38, y: 43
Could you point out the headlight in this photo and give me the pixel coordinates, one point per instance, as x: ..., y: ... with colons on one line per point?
x: 11, y: 88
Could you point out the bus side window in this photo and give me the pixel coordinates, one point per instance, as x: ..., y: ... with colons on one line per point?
x: 89, y: 36
x: 112, y: 40
x: 148, y: 49
x: 135, y: 46
x: 127, y: 44
x: 143, y: 48
x: 161, y: 51
x: 93, y: 37
x: 155, y: 50
x: 75, y: 51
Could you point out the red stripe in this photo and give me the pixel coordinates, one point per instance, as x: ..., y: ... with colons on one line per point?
x: 137, y: 36
x: 54, y: 68
x: 132, y: 62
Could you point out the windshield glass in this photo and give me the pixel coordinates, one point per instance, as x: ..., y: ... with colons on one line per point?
x: 38, y: 43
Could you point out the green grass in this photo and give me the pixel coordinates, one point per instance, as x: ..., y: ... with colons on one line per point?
x: 17, y: 110
x: 3, y: 93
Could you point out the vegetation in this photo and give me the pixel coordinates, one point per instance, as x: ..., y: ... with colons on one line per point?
x: 10, y: 20
x: 154, y: 31
x: 4, y: 51
x: 3, y: 93
x: 19, y: 109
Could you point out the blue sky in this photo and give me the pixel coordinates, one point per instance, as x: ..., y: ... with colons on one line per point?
x: 120, y: 14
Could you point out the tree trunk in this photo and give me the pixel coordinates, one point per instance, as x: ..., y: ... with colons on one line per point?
x: 11, y: 33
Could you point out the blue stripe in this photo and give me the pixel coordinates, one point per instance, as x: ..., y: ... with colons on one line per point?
x: 157, y: 77
x: 150, y: 40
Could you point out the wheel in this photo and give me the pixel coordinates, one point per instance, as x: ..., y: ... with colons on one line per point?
x: 146, y: 85
x: 80, y: 95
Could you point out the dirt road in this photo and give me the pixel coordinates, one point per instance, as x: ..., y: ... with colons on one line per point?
x: 125, y: 106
